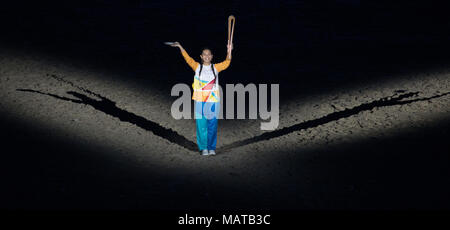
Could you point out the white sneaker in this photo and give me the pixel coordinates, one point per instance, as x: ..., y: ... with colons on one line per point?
x: 204, y: 152
x: 212, y: 152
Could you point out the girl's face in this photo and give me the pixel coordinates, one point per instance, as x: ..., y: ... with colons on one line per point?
x: 206, y: 56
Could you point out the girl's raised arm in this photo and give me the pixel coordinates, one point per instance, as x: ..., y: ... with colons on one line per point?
x: 190, y: 61
x: 223, y: 65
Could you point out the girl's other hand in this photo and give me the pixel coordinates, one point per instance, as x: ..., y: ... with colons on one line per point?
x: 176, y: 44
x: 229, y: 46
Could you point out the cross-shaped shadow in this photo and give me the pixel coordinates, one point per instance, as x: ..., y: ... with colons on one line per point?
x: 109, y: 107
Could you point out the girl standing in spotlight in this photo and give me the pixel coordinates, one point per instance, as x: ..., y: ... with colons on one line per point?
x: 206, y: 96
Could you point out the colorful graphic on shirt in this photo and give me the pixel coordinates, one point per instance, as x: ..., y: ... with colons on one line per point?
x: 203, y: 90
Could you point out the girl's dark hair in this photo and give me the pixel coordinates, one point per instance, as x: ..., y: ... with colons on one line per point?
x: 205, y: 48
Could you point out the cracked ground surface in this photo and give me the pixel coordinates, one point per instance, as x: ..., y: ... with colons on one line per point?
x: 104, y: 142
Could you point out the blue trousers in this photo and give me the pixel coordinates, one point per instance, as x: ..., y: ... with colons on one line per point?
x: 206, y: 114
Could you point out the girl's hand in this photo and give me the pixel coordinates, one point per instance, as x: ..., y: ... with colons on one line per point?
x: 176, y: 44
x: 229, y: 47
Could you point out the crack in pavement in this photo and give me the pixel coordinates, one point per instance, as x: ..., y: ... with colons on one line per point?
x: 386, y: 101
x: 109, y: 107
x: 60, y: 79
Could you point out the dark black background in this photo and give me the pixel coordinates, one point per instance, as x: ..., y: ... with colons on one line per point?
x: 305, y: 47
x: 309, y: 46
